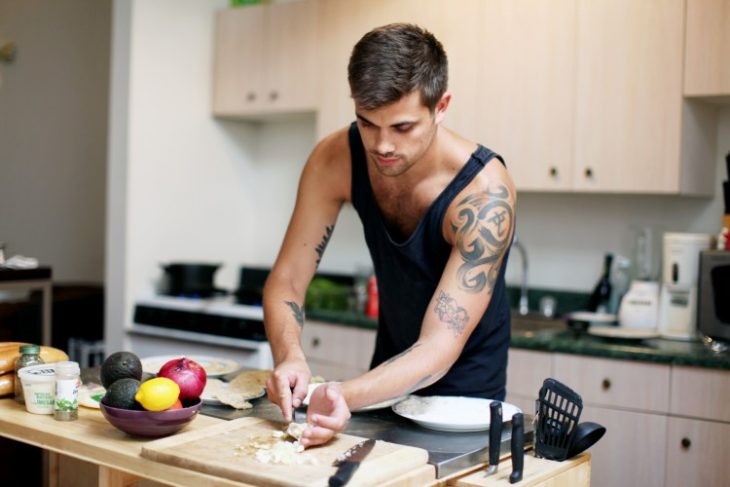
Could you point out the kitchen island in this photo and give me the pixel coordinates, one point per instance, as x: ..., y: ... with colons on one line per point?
x: 117, y: 461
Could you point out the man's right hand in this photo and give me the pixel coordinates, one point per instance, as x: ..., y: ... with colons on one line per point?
x: 288, y: 384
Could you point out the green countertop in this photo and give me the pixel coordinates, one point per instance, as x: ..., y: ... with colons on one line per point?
x: 657, y: 350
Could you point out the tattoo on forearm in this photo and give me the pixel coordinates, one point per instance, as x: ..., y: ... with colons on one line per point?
x: 404, y: 352
x: 426, y: 381
x: 297, y: 311
x: 449, y: 312
x: 323, y: 244
x: 482, y: 231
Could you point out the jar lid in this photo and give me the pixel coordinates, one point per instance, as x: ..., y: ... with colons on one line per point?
x: 67, y: 368
x: 30, y: 349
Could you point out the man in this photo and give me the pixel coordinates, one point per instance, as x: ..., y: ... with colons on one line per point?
x: 438, y: 216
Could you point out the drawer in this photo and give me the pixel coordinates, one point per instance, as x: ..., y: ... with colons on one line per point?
x: 526, y: 371
x: 617, y: 383
x: 700, y: 393
x: 337, y: 344
x: 697, y: 453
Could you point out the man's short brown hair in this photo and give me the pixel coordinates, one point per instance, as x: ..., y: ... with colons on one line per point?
x: 392, y: 61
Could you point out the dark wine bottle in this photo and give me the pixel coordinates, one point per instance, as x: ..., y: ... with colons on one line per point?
x: 601, y: 295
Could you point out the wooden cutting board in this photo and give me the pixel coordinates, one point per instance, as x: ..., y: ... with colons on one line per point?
x: 224, y: 450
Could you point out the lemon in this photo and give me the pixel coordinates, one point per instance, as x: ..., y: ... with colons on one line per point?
x: 157, y: 394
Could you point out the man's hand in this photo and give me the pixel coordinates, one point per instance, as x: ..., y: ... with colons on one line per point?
x: 327, y: 415
x: 287, y: 386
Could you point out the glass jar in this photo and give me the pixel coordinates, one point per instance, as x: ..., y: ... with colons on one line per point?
x: 29, y: 355
x: 68, y: 381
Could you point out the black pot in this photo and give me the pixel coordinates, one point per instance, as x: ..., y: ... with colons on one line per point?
x: 191, y: 280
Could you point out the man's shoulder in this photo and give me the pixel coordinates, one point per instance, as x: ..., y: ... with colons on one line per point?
x: 334, y: 149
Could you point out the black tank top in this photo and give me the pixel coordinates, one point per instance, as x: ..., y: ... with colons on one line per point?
x: 408, y: 273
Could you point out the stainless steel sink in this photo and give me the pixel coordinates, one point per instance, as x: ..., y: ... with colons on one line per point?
x: 535, y: 325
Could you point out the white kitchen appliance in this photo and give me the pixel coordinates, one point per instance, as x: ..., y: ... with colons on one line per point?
x: 680, y: 270
x: 640, y: 306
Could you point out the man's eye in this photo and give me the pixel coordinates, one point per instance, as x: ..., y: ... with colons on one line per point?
x: 403, y: 128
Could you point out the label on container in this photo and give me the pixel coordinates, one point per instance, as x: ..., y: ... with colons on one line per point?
x: 67, y: 391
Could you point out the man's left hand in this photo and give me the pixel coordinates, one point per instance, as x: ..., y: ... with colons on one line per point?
x: 327, y: 415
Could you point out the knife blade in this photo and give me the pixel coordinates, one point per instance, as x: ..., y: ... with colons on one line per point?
x: 349, y: 461
x: 495, y: 435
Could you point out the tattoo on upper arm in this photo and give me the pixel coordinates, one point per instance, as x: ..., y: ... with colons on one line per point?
x: 482, y: 229
x: 404, y: 352
x: 323, y: 244
x: 449, y: 312
x: 297, y: 311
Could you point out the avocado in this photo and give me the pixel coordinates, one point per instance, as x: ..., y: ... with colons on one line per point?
x: 121, y: 394
x: 120, y: 365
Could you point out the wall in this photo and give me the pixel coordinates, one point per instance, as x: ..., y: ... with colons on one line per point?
x: 53, y: 134
x: 186, y: 186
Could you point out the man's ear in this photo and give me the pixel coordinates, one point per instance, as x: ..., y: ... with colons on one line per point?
x: 441, y: 106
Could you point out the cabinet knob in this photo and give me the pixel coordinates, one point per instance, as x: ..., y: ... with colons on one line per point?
x: 606, y: 384
x: 315, y: 342
x: 553, y: 171
x: 686, y: 443
x: 250, y: 96
x: 274, y: 95
x: 589, y: 172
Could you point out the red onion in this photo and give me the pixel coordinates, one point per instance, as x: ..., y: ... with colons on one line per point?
x: 187, y: 374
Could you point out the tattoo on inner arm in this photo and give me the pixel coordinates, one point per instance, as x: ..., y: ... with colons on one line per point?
x: 323, y: 244
x: 449, y: 312
x: 482, y: 230
x: 297, y: 311
x: 404, y: 352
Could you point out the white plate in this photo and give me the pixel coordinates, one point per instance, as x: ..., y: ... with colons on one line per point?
x: 210, y: 399
x: 625, y: 333
x: 372, y: 407
x: 213, y: 366
x: 451, y: 413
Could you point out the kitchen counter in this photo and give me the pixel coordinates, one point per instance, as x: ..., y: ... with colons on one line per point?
x: 564, y: 341
x: 117, y: 455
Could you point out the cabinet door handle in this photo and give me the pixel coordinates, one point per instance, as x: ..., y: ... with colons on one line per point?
x: 274, y: 95
x: 315, y: 342
x: 606, y: 384
x: 589, y: 172
x: 250, y: 96
x: 686, y: 443
x: 553, y: 171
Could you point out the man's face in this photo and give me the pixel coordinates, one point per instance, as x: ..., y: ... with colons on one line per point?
x: 396, y: 136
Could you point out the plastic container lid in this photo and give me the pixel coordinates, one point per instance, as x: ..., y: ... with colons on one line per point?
x: 30, y: 349
x: 38, y: 373
x: 67, y: 368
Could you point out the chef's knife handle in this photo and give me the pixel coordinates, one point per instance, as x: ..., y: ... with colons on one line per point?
x: 517, y: 447
x: 495, y: 431
x: 343, y: 474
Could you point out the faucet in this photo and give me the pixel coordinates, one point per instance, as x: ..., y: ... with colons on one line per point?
x: 523, y: 308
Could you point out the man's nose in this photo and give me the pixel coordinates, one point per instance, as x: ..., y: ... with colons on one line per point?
x: 383, y: 143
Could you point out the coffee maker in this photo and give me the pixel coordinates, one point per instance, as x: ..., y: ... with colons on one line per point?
x: 680, y: 270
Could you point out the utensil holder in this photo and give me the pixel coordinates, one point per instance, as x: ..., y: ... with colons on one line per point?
x: 558, y: 410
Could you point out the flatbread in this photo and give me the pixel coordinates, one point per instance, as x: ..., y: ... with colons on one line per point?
x: 247, y: 385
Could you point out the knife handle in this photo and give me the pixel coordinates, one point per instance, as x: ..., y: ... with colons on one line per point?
x: 495, y: 431
x: 343, y: 474
x: 517, y: 447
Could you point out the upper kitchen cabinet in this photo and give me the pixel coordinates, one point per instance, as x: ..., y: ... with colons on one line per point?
x: 345, y: 22
x: 527, y: 91
x: 707, y: 49
x: 266, y: 60
x: 633, y: 132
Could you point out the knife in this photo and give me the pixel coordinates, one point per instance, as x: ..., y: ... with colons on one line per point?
x: 517, y: 447
x: 495, y: 435
x: 348, y: 462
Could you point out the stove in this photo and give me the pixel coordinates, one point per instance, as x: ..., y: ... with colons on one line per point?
x: 218, y: 326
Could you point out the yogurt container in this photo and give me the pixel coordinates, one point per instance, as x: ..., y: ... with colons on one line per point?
x: 39, y: 387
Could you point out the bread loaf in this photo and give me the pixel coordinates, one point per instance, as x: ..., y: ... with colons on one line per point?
x: 10, y: 351
x: 7, y: 384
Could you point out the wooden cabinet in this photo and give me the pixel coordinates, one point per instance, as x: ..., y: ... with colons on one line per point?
x: 337, y: 352
x: 265, y: 60
x: 697, y: 453
x: 527, y: 96
x: 344, y: 23
x: 707, y: 48
x: 526, y: 371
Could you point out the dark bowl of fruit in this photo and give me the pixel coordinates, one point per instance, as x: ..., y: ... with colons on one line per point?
x: 151, y: 424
